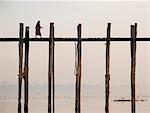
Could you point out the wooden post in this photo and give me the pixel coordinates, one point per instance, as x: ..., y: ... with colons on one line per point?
x: 133, y: 65
x: 26, y: 70
x: 107, y: 76
x: 53, y: 80
x: 51, y: 70
x: 78, y: 75
x: 20, y: 66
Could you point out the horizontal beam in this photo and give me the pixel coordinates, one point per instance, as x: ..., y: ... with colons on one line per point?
x: 73, y: 39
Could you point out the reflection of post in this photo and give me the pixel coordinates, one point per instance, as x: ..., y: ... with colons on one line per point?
x: 107, y: 76
x: 51, y: 70
x: 20, y: 66
x: 78, y: 76
x: 26, y: 69
x: 133, y: 65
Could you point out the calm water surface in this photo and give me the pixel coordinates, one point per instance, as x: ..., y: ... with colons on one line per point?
x: 66, y: 105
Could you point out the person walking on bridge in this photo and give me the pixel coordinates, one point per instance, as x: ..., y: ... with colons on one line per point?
x: 38, y: 30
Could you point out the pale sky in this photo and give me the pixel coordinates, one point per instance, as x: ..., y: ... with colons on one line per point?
x: 66, y: 15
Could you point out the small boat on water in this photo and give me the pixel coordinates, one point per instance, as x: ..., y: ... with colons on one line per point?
x: 123, y: 99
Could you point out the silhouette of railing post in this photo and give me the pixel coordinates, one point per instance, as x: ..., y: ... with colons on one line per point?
x: 51, y: 70
x: 133, y: 65
x: 20, y: 65
x: 107, y: 76
x: 78, y: 75
x: 53, y: 77
x: 26, y: 70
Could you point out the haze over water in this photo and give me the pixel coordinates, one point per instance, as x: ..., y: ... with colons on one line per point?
x: 66, y: 15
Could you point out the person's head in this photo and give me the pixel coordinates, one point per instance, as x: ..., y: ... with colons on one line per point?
x: 38, y: 22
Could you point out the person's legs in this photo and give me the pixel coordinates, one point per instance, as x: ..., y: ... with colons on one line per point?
x: 35, y: 35
x: 40, y: 35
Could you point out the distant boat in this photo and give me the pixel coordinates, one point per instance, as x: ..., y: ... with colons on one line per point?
x: 128, y: 100
x: 123, y: 99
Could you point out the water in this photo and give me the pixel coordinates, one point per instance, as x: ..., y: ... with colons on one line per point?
x: 66, y: 105
x: 92, y: 101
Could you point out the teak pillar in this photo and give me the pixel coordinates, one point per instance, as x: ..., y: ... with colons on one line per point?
x: 133, y: 65
x: 20, y: 66
x: 107, y: 76
x: 26, y: 70
x: 51, y: 80
x: 78, y: 75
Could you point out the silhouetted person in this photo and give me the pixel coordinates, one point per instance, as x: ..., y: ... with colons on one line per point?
x: 38, y: 29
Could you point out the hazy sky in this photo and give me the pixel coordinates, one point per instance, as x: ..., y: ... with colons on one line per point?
x: 66, y: 15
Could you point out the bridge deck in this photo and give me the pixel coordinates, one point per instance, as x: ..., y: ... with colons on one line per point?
x: 73, y: 39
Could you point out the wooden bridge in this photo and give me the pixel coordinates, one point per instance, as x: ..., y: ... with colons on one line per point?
x: 23, y: 69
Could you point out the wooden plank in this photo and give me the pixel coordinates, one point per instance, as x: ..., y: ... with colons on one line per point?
x: 9, y: 39
x: 133, y: 65
x: 92, y: 39
x: 107, y: 76
x: 78, y: 75
x: 20, y: 66
x: 51, y: 102
x: 26, y: 70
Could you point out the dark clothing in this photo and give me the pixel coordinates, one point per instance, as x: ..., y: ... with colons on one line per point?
x: 38, y: 27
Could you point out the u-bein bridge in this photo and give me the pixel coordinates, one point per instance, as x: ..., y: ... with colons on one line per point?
x: 23, y: 71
